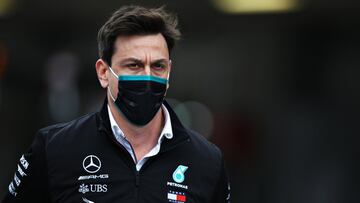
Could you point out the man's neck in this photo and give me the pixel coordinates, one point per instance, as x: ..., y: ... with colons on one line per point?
x: 141, y: 138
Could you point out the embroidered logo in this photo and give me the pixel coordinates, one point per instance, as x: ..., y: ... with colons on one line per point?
x: 83, y: 188
x: 87, y: 201
x: 95, y: 188
x: 178, y: 174
x: 91, y: 164
x: 176, y: 197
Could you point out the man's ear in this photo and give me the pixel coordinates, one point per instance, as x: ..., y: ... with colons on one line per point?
x: 101, y: 70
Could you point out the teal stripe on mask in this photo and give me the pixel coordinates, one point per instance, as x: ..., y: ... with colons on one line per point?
x: 143, y: 77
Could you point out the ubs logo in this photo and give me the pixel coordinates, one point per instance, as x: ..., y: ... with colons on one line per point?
x: 93, y: 188
x: 91, y: 164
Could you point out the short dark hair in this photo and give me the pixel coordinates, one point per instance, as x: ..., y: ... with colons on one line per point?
x: 136, y: 20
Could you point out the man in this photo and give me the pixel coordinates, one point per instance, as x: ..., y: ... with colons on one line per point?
x: 135, y: 149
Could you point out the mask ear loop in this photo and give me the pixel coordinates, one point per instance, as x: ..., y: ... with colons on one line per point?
x: 112, y: 97
x: 112, y: 71
x: 108, y: 87
x: 168, y: 76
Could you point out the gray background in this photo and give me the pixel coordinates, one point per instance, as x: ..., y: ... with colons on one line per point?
x: 277, y: 92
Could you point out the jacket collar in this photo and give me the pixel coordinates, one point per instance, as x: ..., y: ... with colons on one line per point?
x: 180, y: 133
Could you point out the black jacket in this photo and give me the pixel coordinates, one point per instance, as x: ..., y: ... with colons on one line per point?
x: 80, y: 161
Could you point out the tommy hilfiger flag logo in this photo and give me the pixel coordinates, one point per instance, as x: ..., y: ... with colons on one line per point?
x: 176, y: 197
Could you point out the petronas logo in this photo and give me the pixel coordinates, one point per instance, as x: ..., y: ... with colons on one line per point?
x: 178, y: 174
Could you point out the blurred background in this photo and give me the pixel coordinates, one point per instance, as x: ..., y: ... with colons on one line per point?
x: 274, y: 83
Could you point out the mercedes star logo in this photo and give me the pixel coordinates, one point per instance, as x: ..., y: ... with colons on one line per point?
x: 91, y: 164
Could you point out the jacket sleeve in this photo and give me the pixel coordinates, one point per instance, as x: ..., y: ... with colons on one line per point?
x: 222, y: 190
x: 29, y: 183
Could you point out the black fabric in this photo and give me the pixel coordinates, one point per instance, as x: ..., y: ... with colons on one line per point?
x: 59, y: 155
x: 140, y: 100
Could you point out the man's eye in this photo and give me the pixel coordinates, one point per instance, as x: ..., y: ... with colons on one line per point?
x: 132, y: 65
x: 159, y: 66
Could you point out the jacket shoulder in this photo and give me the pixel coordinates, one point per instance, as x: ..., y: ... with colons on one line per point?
x: 205, y: 147
x: 51, y: 132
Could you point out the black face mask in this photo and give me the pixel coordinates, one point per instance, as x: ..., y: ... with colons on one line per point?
x: 139, y: 97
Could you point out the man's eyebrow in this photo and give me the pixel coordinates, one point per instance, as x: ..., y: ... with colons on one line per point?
x: 131, y: 59
x: 160, y: 61
x: 136, y: 60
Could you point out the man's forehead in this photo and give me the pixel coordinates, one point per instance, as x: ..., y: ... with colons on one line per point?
x: 141, y: 46
x: 149, y: 49
x: 135, y: 41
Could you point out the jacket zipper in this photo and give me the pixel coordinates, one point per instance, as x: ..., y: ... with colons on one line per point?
x: 134, y: 162
x: 137, y: 183
x: 137, y: 173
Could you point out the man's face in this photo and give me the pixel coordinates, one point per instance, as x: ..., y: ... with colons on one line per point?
x: 139, y: 55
